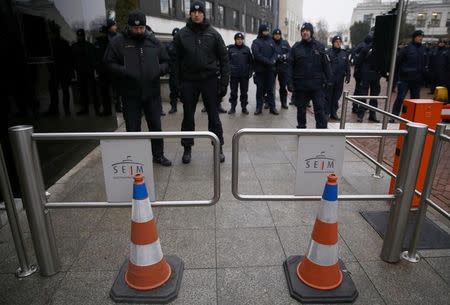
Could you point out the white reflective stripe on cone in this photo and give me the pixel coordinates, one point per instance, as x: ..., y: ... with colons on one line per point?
x: 145, y: 255
x: 328, y: 211
x: 323, y: 255
x: 141, y: 211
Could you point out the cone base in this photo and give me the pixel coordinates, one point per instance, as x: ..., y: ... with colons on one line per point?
x: 121, y: 293
x: 345, y: 293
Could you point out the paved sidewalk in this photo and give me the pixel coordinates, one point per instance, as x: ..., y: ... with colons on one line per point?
x: 233, y: 251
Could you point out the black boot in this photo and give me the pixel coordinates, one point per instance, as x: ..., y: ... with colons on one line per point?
x: 173, y: 109
x: 162, y: 160
x: 373, y: 118
x: 274, y: 111
x: 244, y: 110
x: 221, y: 155
x: 220, y: 109
x: 258, y: 111
x: 186, y: 155
x: 232, y: 109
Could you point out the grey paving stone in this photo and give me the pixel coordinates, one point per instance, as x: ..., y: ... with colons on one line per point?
x: 288, y: 213
x: 186, y: 217
x: 248, y: 247
x: 87, y: 191
x: 69, y: 247
x: 265, y: 156
x: 198, y: 287
x: 442, y: 266
x: 32, y: 290
x: 85, y: 288
x: 191, y: 173
x: 295, y: 241
x: 367, y: 293
x: 115, y: 219
x: 104, y: 251
x: 278, y: 187
x: 284, y: 172
x: 10, y: 261
x: 59, y: 191
x: 195, y: 247
x: 194, y: 190
x: 244, y: 188
x: 257, y: 143
x: 235, y: 214
x: 246, y: 173
x: 74, y: 220
x: 357, y: 169
x: 253, y: 285
x: 435, y: 253
x: 363, y: 241
x: 406, y: 283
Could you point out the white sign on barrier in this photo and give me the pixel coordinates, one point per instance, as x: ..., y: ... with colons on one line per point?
x: 122, y: 159
x: 318, y: 156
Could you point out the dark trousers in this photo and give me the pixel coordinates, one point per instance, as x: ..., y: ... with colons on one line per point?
x: 105, y: 93
x: 282, y: 81
x: 133, y: 107
x: 364, y: 87
x: 265, y: 83
x: 402, y: 90
x: 174, y: 94
x: 88, y: 91
x: 241, y: 82
x: 54, y: 85
x: 302, y: 99
x: 190, y: 92
x: 356, y: 92
x: 334, y: 94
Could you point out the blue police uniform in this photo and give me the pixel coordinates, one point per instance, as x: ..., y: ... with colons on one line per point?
x: 340, y: 68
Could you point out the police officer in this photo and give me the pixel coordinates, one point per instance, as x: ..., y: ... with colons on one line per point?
x: 84, y: 61
x: 241, y: 63
x: 440, y: 65
x: 136, y: 59
x: 370, y: 79
x: 111, y: 27
x: 265, y: 58
x: 174, y: 94
x: 411, y: 65
x: 340, y: 68
x: 309, y: 73
x: 357, y: 63
x: 104, y: 82
x: 282, y: 49
x: 201, y: 57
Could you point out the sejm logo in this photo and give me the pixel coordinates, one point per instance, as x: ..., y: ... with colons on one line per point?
x: 126, y: 168
x: 320, y: 164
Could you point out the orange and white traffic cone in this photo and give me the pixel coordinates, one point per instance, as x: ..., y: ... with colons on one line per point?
x: 144, y: 276
x: 317, y: 277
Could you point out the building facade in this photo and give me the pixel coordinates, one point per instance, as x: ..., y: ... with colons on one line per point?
x: 430, y: 16
x: 290, y: 19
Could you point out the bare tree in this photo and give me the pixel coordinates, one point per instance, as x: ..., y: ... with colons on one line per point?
x: 321, y: 32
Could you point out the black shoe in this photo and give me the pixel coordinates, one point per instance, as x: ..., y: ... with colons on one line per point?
x: 221, y: 155
x: 391, y: 121
x: 291, y: 103
x: 204, y: 109
x: 232, y: 110
x: 374, y: 119
x: 301, y: 127
x: 284, y: 106
x: 163, y: 113
x: 258, y: 111
x: 186, y: 155
x: 354, y: 110
x: 244, y: 110
x: 274, y: 111
x: 334, y: 117
x: 359, y: 120
x: 266, y: 106
x: 173, y: 109
x: 221, y: 110
x: 162, y: 160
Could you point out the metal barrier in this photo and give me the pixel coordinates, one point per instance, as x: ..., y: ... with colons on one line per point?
x: 23, y: 142
x: 405, y: 183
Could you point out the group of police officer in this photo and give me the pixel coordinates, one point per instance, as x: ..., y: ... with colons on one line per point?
x: 199, y: 63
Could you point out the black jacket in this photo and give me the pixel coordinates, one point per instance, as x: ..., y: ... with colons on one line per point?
x: 282, y: 49
x: 83, y: 53
x: 241, y: 61
x: 200, y: 53
x: 171, y: 51
x: 440, y: 66
x: 340, y: 65
x: 411, y: 63
x: 136, y: 65
x: 365, y: 62
x: 264, y: 55
x: 309, y: 66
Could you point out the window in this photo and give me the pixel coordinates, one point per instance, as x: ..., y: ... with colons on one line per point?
x: 208, y: 10
x: 368, y: 18
x: 252, y: 25
x: 235, y: 19
x: 165, y: 6
x: 221, y: 15
x: 421, y: 20
x: 185, y: 7
x: 255, y: 24
x: 435, y: 20
x: 448, y: 20
x: 243, y: 22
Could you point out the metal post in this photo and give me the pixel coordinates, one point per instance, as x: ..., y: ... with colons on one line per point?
x: 31, y: 187
x: 404, y: 190
x: 343, y: 110
x: 411, y: 255
x: 25, y: 268
x: 387, y: 105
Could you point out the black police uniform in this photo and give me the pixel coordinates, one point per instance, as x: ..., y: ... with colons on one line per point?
x: 357, y: 63
x: 84, y: 61
x: 309, y: 72
x: 282, y: 49
x: 241, y: 63
x: 440, y: 66
x: 174, y: 94
x: 340, y: 68
x: 411, y: 64
x: 136, y: 65
x: 264, y: 60
x: 199, y: 49
x: 104, y: 80
x: 370, y: 79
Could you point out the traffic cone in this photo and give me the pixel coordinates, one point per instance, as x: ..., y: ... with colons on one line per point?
x: 317, y: 277
x: 320, y: 268
x: 148, y: 275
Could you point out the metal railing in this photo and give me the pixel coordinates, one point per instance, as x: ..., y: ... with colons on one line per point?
x: 23, y: 142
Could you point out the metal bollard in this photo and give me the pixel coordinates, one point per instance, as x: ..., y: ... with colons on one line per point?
x: 404, y: 190
x: 411, y: 255
x: 31, y: 185
x: 343, y: 110
x: 25, y: 268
